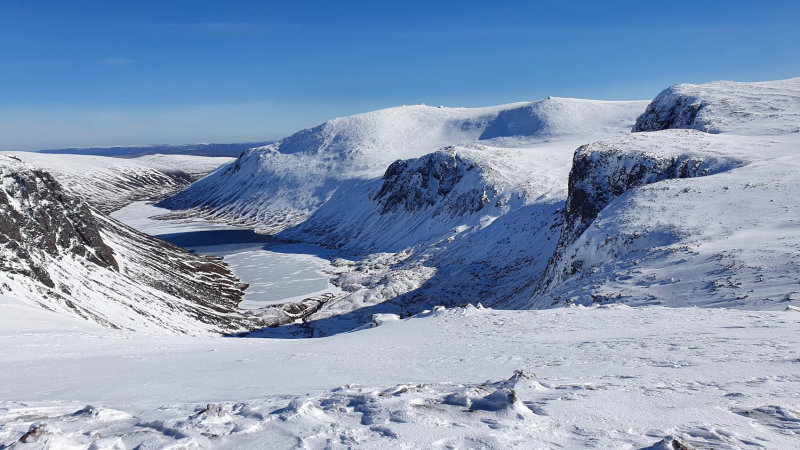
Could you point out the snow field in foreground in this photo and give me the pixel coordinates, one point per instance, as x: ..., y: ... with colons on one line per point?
x: 604, y: 377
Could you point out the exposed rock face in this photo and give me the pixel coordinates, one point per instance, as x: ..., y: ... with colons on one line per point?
x: 413, y: 185
x: 279, y: 186
x: 671, y: 109
x: 55, y: 250
x: 604, y: 170
x: 37, y: 216
x: 771, y: 107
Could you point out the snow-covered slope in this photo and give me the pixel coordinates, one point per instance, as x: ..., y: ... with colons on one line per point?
x: 280, y: 185
x: 59, y: 253
x: 765, y: 108
x: 605, y: 377
x: 111, y: 183
x: 461, y: 218
x: 683, y: 217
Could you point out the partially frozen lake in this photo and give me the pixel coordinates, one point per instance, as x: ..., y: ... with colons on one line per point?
x: 276, y: 272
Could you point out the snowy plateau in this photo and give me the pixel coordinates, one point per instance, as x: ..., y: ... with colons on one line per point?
x: 562, y: 273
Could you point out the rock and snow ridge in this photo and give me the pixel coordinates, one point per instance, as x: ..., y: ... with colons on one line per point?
x: 495, y: 219
x: 672, y: 215
x: 762, y: 108
x: 422, y: 229
x: 111, y: 183
x: 282, y: 184
x: 474, y: 222
x: 58, y: 252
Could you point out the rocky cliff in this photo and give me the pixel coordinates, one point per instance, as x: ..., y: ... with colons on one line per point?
x: 59, y: 252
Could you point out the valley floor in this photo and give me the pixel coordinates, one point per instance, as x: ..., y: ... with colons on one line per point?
x: 276, y: 272
x: 611, y: 376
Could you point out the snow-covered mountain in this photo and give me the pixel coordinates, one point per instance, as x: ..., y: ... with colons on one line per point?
x: 697, y: 206
x: 482, y: 199
x: 58, y: 252
x: 671, y: 215
x: 471, y: 214
x: 111, y: 183
x: 282, y: 184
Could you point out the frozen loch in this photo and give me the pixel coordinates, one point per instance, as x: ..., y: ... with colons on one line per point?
x: 275, y: 271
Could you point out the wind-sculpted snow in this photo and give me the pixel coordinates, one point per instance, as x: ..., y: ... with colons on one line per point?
x: 599, y: 377
x: 770, y: 108
x: 59, y: 253
x: 280, y: 185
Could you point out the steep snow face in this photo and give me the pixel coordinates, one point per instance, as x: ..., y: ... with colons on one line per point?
x: 280, y: 185
x: 60, y: 254
x: 111, y: 183
x: 682, y: 217
x: 771, y: 107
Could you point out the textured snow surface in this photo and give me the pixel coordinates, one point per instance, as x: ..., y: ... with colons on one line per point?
x: 613, y: 377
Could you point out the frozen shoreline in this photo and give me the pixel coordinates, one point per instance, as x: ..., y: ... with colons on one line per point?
x: 276, y: 272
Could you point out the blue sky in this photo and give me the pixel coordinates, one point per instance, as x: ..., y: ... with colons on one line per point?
x: 82, y: 73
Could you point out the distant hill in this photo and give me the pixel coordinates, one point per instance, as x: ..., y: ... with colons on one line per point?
x: 230, y: 150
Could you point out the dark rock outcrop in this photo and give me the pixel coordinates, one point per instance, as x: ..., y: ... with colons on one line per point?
x: 765, y: 108
x: 59, y: 252
x: 415, y: 184
x: 36, y: 215
x: 603, y: 171
x: 600, y: 174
